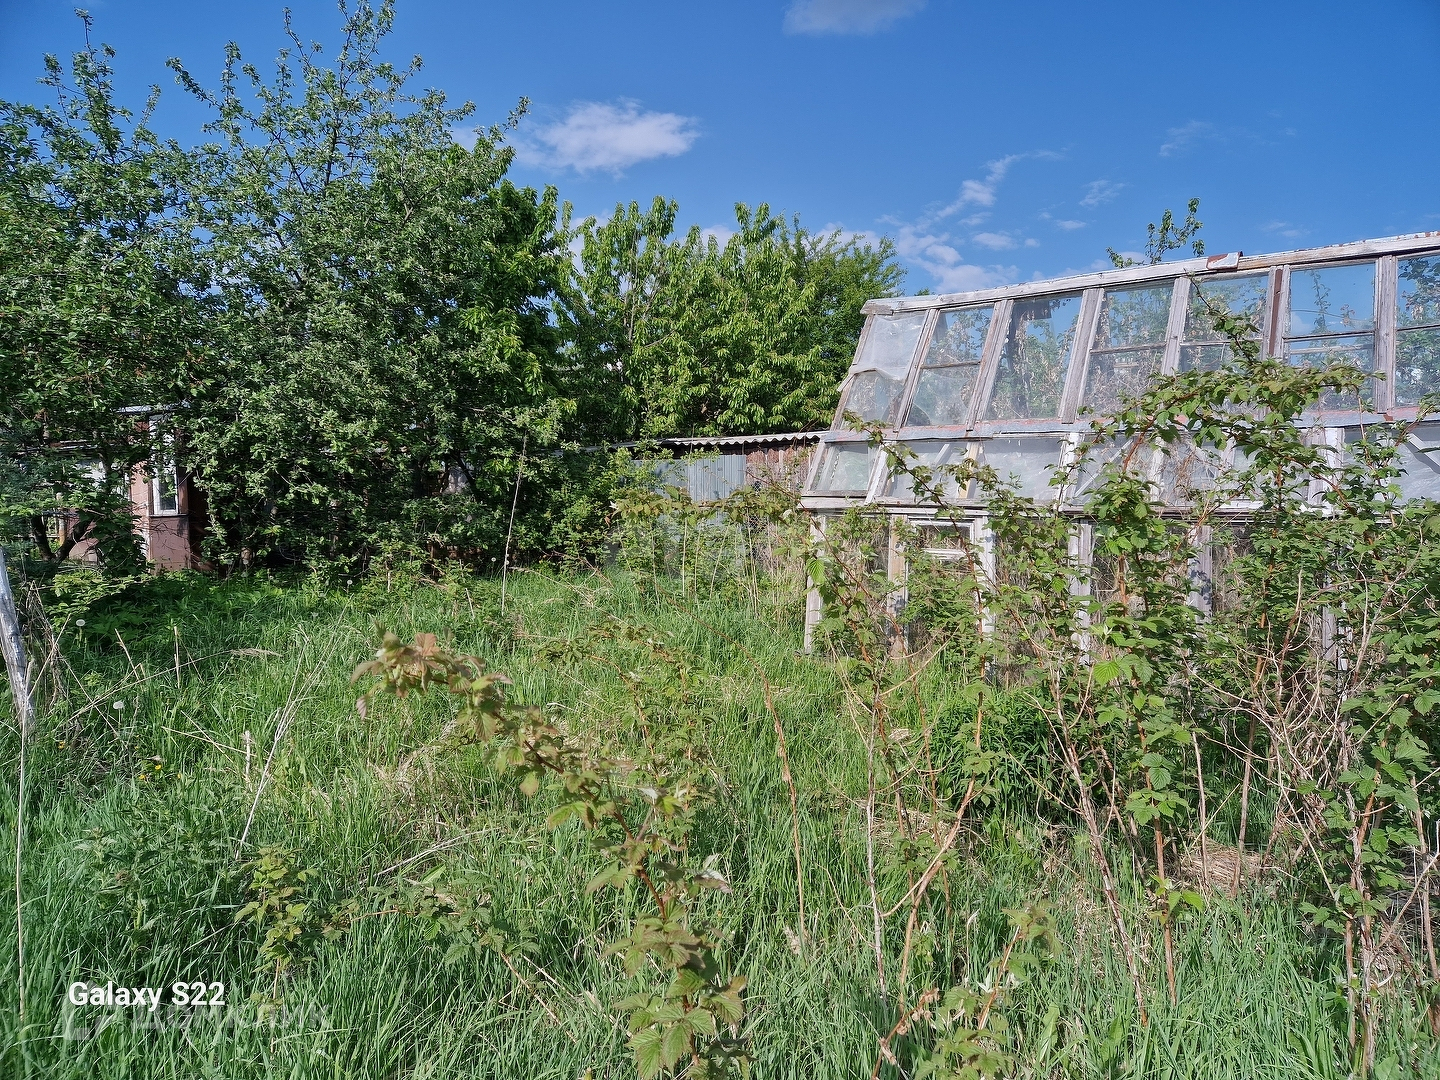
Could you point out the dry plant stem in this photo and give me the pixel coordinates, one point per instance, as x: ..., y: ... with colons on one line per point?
x: 1427, y: 929
x: 917, y: 891
x: 1169, y: 931
x: 1204, y: 817
x: 879, y: 937
x: 928, y: 998
x: 1244, y: 807
x: 1107, y: 877
x: 514, y: 502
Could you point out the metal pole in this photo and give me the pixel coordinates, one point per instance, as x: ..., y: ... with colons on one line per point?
x: 515, y: 501
x: 13, y: 645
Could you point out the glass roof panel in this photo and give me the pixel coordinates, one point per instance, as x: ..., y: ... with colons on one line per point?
x: 1332, y: 300
x: 959, y: 337
x: 1417, y: 344
x: 1241, y: 295
x: 872, y: 396
x: 890, y: 343
x: 1129, y: 346
x: 1035, y: 358
x: 1130, y: 317
x: 942, y: 396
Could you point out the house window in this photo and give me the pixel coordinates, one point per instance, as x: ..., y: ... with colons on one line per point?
x: 165, y: 478
x: 952, y: 362
x: 1331, y: 320
x: 1417, y: 329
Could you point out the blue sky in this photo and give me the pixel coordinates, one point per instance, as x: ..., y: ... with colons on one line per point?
x: 995, y: 142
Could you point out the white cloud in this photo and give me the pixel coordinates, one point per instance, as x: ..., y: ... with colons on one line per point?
x: 982, y: 192
x: 1031, y: 242
x: 721, y: 233
x: 1069, y: 225
x: 846, y: 16
x: 1099, y: 191
x: 994, y: 241
x: 599, y: 136
x: 937, y: 256
x: 1285, y: 229
x: 1182, y: 138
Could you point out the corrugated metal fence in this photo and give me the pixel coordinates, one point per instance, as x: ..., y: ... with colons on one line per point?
x: 707, y: 479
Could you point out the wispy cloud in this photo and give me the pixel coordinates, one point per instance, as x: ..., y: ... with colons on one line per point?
x: 1286, y: 229
x: 936, y: 254
x: 1180, y: 139
x: 1099, y: 191
x: 846, y: 16
x: 995, y: 241
x: 1069, y: 224
x: 599, y: 136
x: 984, y: 192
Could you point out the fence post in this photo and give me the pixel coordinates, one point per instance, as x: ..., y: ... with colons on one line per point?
x: 13, y: 645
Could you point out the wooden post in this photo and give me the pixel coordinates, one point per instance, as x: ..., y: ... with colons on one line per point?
x: 13, y: 645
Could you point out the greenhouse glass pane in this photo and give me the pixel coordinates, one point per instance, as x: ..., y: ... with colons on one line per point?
x: 1421, y: 478
x: 959, y: 337
x: 1332, y: 300
x: 932, y: 454
x: 1418, y: 296
x: 845, y: 469
x: 1186, y: 471
x: 942, y: 396
x: 1115, y: 375
x: 1358, y: 351
x: 890, y: 344
x: 872, y: 396
x: 1088, y: 475
x: 1133, y: 317
x: 1244, y: 296
x: 1029, y: 463
x: 1417, y: 365
x: 1035, y: 359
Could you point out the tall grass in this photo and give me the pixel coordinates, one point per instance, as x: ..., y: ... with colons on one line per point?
x: 134, y: 869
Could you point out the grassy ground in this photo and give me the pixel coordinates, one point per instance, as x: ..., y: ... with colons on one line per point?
x: 230, y: 713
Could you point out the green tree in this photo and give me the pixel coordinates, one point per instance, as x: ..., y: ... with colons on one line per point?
x: 688, y: 336
x: 99, y: 304
x: 383, y: 310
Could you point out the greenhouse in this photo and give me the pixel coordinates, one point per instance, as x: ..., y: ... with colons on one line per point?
x: 1013, y: 377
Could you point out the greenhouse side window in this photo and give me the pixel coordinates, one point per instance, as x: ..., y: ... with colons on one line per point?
x: 844, y: 469
x: 1417, y: 338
